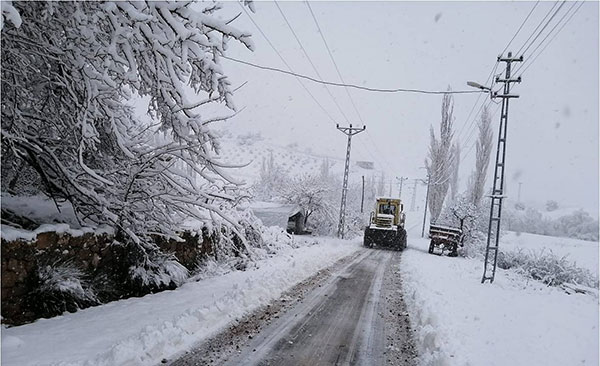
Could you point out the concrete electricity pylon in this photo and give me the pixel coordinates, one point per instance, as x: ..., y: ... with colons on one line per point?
x: 493, y: 235
x: 400, y: 180
x: 348, y: 131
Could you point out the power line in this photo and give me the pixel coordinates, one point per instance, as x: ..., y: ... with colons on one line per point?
x: 527, y: 43
x: 536, y: 28
x: 379, y: 90
x: 471, y: 128
x: 476, y: 102
x: 475, y: 141
x: 541, y: 30
x: 521, y: 27
x: 310, y: 60
x: 371, y: 154
x: 384, y: 159
x: 553, y: 37
x: 493, y: 71
x: 283, y: 60
x: 333, y: 60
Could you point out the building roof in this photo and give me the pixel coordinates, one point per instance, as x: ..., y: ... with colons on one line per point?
x: 274, y: 214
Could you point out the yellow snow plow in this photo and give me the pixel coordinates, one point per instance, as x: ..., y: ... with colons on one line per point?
x: 386, y: 225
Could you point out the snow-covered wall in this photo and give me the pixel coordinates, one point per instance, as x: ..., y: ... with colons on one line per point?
x: 91, y: 253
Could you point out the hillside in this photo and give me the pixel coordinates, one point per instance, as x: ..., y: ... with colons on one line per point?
x: 250, y: 151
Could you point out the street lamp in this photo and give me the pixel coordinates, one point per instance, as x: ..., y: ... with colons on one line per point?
x: 482, y: 87
x: 477, y: 85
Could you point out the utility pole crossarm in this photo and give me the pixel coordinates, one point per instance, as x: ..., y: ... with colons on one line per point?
x: 510, y: 59
x: 500, y: 80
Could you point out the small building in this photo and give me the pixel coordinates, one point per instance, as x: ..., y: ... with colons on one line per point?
x: 289, y: 217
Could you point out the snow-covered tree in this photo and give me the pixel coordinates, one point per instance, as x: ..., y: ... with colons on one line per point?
x: 272, y: 179
x: 473, y: 221
x: 71, y: 73
x: 455, y: 170
x: 551, y: 205
x: 440, y: 159
x: 325, y: 169
x: 313, y: 194
x: 483, y: 150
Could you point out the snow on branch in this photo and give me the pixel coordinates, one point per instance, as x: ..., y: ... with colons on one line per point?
x: 70, y: 71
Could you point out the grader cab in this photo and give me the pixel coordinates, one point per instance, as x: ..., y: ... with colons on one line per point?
x: 386, y: 225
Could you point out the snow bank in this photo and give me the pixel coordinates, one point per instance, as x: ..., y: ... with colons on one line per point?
x: 142, y: 331
x: 459, y: 321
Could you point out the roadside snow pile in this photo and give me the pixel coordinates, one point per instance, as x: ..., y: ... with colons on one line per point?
x: 514, y: 321
x: 143, y: 331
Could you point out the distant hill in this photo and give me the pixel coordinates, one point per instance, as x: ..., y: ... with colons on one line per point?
x: 253, y: 149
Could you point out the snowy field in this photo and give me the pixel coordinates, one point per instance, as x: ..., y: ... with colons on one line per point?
x: 143, y: 331
x: 514, y: 321
x: 583, y: 253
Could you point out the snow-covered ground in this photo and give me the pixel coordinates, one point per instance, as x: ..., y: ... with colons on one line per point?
x: 583, y: 253
x: 142, y: 331
x: 514, y: 321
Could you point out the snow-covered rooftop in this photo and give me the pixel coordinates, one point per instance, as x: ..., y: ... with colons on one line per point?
x: 274, y: 214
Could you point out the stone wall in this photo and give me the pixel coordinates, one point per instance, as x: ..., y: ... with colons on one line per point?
x: 94, y: 254
x: 20, y: 260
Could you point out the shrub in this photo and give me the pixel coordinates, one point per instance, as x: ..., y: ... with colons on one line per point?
x: 61, y: 286
x: 157, y: 271
x: 547, y: 267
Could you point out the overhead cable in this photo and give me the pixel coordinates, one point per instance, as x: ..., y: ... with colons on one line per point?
x: 379, y: 90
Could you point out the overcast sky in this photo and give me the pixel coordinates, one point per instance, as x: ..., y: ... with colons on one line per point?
x: 553, y: 126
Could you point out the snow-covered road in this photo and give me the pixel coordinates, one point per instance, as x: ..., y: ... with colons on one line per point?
x: 355, y: 317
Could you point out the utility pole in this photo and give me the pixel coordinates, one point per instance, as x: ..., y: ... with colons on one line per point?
x: 426, y: 201
x: 401, y: 179
x: 519, y: 194
x: 493, y: 235
x: 348, y: 131
x: 414, y: 196
x: 362, y: 196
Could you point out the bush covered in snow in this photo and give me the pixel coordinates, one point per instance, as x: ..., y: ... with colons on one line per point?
x: 157, y: 271
x: 461, y: 213
x: 547, y: 267
x: 264, y: 242
x: 61, y: 286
